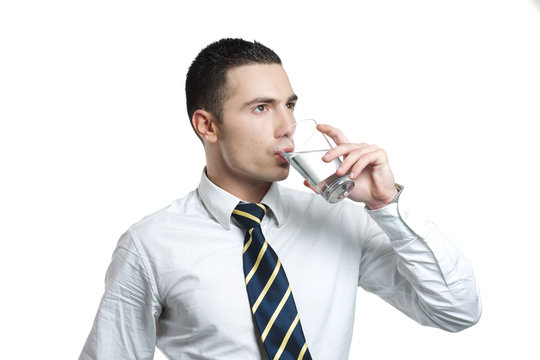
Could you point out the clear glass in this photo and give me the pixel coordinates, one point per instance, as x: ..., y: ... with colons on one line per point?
x: 303, y: 146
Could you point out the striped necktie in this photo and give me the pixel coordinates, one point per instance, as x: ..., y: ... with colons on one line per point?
x: 268, y: 289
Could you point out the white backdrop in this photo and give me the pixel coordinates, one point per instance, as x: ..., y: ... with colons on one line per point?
x: 94, y: 135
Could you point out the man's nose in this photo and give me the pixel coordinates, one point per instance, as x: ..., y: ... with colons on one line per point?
x: 285, y: 125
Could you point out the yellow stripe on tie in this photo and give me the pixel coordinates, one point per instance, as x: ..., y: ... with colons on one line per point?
x: 246, y: 246
x: 257, y: 262
x: 266, y: 287
x: 247, y: 215
x: 275, y: 314
x: 261, y: 206
x: 287, y: 336
x: 302, y: 352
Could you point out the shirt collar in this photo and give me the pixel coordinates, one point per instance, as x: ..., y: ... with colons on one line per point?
x: 273, y: 200
x: 220, y: 203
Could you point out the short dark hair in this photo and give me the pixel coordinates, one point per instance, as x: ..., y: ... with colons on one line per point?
x: 206, y: 80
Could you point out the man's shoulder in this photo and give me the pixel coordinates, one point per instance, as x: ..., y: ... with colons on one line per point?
x: 289, y: 194
x: 177, y: 211
x: 299, y: 204
x: 308, y: 200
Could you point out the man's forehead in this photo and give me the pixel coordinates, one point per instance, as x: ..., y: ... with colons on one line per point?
x: 254, y: 68
x: 258, y: 80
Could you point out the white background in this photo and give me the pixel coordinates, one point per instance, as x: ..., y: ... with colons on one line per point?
x: 94, y: 135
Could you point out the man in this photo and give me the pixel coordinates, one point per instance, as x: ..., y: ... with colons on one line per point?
x: 177, y: 281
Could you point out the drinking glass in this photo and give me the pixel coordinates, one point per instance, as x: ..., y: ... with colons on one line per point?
x: 303, y: 146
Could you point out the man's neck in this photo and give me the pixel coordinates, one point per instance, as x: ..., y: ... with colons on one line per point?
x: 246, y: 190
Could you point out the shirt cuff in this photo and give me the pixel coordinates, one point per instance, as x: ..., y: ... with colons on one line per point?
x: 402, y: 220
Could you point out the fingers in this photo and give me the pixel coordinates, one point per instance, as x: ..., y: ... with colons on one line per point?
x: 356, y: 157
x: 345, y: 149
x: 363, y: 159
x: 334, y: 133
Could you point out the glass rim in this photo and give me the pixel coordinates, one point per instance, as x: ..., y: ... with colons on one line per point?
x: 307, y: 136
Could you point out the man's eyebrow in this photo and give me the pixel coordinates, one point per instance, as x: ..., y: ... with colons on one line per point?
x: 261, y: 100
x: 268, y: 100
x: 292, y: 98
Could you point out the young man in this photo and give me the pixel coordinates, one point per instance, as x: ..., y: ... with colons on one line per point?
x: 181, y: 279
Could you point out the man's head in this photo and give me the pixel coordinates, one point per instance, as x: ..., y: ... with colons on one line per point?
x: 206, y: 81
x: 240, y: 102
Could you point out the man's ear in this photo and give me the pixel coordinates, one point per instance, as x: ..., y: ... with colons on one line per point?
x: 205, y: 124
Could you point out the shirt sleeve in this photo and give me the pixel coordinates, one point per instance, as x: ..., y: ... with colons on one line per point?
x: 409, y: 263
x: 125, y: 324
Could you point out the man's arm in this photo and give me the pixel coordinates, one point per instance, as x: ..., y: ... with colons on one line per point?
x: 125, y: 324
x: 410, y: 264
x: 420, y: 272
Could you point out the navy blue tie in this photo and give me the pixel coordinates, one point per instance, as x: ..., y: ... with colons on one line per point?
x: 268, y: 289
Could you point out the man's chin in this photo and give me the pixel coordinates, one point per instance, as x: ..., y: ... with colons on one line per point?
x: 282, y: 174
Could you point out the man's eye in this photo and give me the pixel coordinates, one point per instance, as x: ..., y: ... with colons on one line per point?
x: 260, y: 108
x: 291, y: 106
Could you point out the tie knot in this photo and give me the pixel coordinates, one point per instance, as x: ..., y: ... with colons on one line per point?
x: 249, y: 215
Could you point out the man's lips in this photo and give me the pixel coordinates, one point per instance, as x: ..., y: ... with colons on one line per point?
x: 285, y: 150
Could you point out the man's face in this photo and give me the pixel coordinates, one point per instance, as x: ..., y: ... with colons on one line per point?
x: 259, y: 108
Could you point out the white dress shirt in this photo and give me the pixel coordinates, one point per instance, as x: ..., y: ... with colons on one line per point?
x: 176, y: 279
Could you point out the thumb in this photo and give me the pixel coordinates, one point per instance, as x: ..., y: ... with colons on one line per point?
x: 307, y: 184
